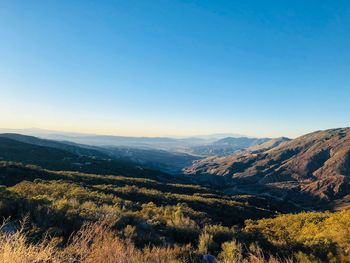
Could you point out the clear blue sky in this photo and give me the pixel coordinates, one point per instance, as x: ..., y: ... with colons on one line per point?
x: 262, y: 68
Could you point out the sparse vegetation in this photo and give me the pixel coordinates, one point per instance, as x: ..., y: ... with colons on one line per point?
x: 113, y: 211
x: 97, y: 242
x: 310, y: 236
x: 145, y: 220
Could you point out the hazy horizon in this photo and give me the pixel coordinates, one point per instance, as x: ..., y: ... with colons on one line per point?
x: 175, y: 68
x: 34, y: 131
x: 48, y: 131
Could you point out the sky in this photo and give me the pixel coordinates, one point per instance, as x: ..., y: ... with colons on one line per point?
x: 161, y: 68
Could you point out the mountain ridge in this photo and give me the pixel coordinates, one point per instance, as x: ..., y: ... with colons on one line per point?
x: 314, y: 166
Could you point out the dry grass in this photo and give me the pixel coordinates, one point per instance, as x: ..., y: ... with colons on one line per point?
x: 14, y: 248
x: 96, y: 243
x: 258, y: 257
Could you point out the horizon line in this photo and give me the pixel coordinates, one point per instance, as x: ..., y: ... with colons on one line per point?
x: 79, y: 133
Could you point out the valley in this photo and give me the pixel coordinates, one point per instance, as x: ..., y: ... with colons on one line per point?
x: 216, y: 203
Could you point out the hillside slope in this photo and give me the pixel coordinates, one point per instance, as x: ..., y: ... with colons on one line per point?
x: 170, y: 162
x: 71, y: 147
x: 312, y: 169
x: 64, y: 160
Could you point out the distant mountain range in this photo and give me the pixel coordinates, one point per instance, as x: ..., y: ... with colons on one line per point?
x: 149, y: 157
x: 43, y: 133
x: 60, y: 156
x: 201, y: 146
x: 312, y: 170
x: 30, y: 149
x: 143, y: 151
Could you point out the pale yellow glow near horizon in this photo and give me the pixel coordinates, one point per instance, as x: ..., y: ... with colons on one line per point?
x: 21, y: 113
x: 127, y: 126
x: 102, y: 131
x: 116, y: 131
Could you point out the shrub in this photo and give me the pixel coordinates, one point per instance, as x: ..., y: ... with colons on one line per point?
x: 231, y: 252
x: 205, y: 243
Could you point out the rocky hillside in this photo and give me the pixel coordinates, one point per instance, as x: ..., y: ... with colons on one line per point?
x: 311, y: 170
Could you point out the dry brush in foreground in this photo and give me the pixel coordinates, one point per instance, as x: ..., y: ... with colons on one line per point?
x: 96, y: 243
